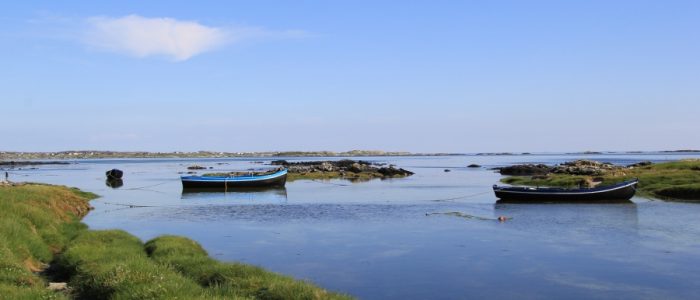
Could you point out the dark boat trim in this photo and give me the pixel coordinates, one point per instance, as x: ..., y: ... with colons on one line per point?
x: 621, y: 191
x: 277, y: 179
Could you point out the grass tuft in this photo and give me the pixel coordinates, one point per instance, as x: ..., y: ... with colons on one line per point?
x: 230, y: 279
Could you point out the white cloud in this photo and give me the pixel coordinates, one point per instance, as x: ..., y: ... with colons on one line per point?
x: 180, y: 40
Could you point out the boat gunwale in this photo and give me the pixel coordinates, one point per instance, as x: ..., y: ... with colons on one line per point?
x: 234, y: 178
x: 555, y: 191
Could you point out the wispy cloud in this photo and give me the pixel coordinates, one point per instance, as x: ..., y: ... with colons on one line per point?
x: 179, y: 40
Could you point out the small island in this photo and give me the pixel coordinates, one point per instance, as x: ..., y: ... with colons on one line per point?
x: 675, y: 180
x: 353, y: 170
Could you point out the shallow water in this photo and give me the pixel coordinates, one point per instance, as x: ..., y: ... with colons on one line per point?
x: 401, y: 238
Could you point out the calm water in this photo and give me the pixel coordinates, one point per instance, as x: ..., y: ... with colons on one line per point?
x: 395, y: 239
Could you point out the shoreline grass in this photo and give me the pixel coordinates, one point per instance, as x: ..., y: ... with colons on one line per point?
x: 40, y: 224
x: 670, y: 180
x: 36, y: 222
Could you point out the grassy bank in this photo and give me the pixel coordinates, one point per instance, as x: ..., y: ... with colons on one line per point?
x: 36, y: 223
x: 677, y: 179
x: 40, y: 224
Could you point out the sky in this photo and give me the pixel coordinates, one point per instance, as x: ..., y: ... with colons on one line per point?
x: 419, y: 76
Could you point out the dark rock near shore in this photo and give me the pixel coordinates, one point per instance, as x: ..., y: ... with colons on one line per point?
x: 196, y: 167
x: 473, y: 166
x: 525, y: 170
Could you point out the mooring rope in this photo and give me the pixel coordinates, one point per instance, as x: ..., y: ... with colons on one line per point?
x: 457, y: 198
x: 144, y: 187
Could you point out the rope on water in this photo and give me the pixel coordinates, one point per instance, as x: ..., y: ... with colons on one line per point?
x: 145, y: 187
x: 460, y: 197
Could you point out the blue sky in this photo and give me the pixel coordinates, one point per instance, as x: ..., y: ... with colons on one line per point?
x: 421, y: 76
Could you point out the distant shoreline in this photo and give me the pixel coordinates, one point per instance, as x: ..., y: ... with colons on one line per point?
x: 87, y: 154
x: 90, y: 154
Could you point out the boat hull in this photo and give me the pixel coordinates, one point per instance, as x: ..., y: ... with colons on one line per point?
x: 619, y: 192
x: 277, y: 179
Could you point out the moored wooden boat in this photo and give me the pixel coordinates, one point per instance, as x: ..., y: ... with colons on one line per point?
x: 621, y: 191
x: 276, y: 179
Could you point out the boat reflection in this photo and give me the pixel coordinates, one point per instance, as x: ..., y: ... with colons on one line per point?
x: 238, y: 196
x: 591, y: 216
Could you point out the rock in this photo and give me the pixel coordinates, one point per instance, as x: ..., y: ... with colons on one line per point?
x: 473, y: 166
x: 584, y: 167
x: 447, y: 170
x: 195, y: 167
x: 326, y: 167
x: 391, y: 172
x: 355, y: 168
x: 280, y: 162
x: 57, y: 286
x: 525, y: 170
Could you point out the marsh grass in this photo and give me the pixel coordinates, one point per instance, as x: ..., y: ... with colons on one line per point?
x: 36, y: 222
x: 677, y: 179
x: 112, y: 264
x: 230, y: 279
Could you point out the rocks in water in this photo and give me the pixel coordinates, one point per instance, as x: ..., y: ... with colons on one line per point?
x: 343, y: 167
x: 447, y: 170
x: 392, y: 171
x: 577, y: 167
x: 584, y: 167
x: 525, y: 170
x: 280, y: 162
x: 195, y: 167
x: 473, y: 166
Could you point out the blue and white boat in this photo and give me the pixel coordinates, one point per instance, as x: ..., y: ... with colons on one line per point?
x: 276, y: 179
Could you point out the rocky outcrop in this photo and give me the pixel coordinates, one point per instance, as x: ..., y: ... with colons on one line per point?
x: 577, y: 167
x: 525, y: 170
x: 584, y: 167
x: 343, y: 167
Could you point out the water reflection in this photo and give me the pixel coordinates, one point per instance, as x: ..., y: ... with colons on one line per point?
x: 238, y: 196
x: 114, y: 183
x: 589, y: 221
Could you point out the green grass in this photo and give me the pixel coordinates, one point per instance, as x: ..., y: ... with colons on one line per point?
x: 112, y: 264
x: 36, y: 222
x: 676, y: 179
x: 39, y: 224
x: 230, y: 279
